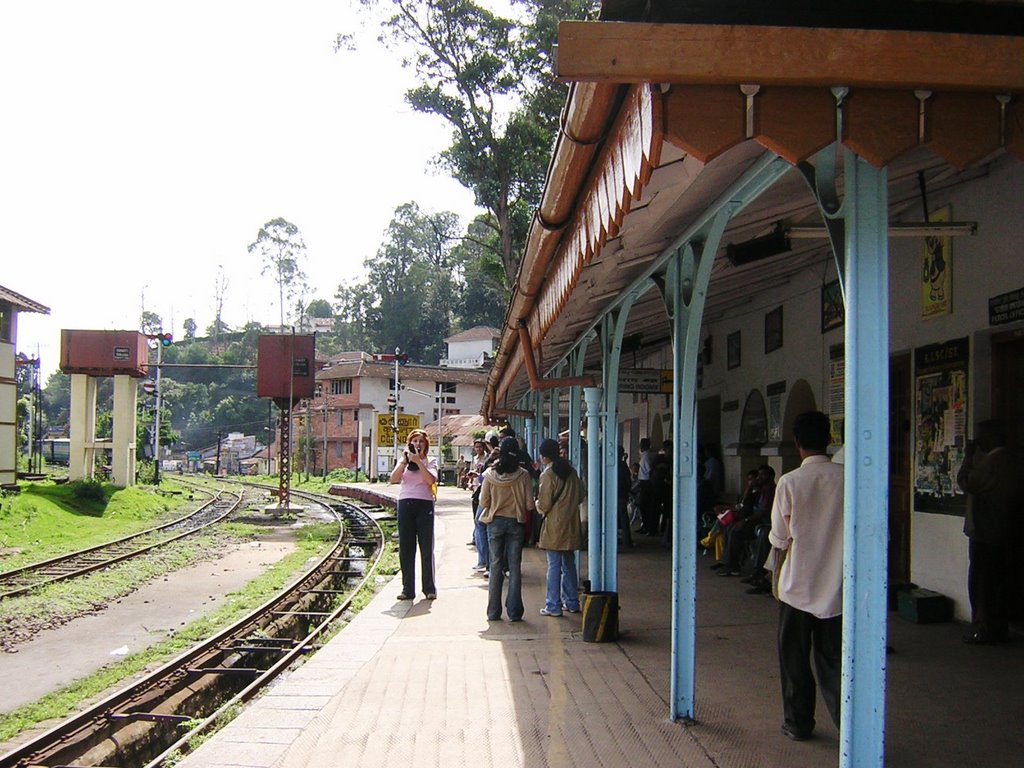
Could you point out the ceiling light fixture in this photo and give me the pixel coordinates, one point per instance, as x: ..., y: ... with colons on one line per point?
x: 901, y: 229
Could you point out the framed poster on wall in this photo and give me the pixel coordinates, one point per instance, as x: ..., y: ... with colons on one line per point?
x: 937, y: 270
x: 733, y: 350
x: 940, y: 425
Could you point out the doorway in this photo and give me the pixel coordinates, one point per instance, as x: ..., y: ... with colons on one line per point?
x: 1008, y: 406
x: 900, y: 419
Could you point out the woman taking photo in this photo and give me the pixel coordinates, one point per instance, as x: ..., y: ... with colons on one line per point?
x: 558, y: 501
x: 506, y: 497
x: 418, y: 475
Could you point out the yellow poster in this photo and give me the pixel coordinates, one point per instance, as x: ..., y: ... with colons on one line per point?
x: 407, y: 422
x: 937, y: 270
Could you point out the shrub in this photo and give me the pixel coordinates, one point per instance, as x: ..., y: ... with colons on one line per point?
x: 88, y: 490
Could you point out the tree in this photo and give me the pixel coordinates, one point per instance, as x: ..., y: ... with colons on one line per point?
x: 220, y: 289
x: 474, y: 67
x: 215, y: 329
x: 280, y: 246
x: 350, y: 330
x: 190, y: 328
x: 151, y: 322
x: 484, y: 296
x: 320, y: 308
x: 411, y: 292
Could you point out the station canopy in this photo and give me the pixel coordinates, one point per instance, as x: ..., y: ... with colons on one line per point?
x: 674, y: 112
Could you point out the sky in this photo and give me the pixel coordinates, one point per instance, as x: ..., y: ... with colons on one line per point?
x: 143, y: 145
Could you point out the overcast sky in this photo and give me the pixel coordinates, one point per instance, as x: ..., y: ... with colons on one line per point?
x: 143, y: 145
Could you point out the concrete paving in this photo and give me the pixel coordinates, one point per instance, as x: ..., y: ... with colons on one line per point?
x: 433, y: 683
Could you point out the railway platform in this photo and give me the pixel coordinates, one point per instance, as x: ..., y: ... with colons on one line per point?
x: 434, y: 684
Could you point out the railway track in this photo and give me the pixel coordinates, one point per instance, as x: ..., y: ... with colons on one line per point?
x: 22, y: 580
x: 147, y: 722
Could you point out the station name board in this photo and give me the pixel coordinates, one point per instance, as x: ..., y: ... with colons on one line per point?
x: 407, y: 422
x: 653, y: 381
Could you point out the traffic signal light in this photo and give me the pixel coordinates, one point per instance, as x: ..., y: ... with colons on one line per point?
x: 163, y: 339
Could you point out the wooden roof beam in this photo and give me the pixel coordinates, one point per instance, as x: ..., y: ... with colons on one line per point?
x: 715, y: 54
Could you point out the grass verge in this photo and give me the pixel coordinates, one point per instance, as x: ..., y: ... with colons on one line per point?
x: 311, y: 540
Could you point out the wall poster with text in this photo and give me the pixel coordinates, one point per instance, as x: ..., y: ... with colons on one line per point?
x: 837, y: 392
x: 940, y: 425
x: 937, y: 270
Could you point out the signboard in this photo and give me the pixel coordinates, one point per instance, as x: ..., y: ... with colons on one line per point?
x: 195, y: 456
x: 407, y: 422
x: 652, y: 381
x: 1006, y: 307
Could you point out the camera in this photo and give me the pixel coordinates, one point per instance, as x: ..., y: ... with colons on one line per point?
x: 411, y: 449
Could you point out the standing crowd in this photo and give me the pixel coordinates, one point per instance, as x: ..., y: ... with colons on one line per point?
x: 515, y: 504
x: 789, y: 533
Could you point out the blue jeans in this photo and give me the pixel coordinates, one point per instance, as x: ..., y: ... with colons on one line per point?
x: 480, y: 540
x: 563, y: 583
x: 505, y: 538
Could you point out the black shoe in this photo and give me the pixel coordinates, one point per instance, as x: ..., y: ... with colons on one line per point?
x: 717, y: 566
x: 759, y: 589
x: 794, y: 734
x: 728, y: 572
x: 980, y: 637
x: 404, y: 596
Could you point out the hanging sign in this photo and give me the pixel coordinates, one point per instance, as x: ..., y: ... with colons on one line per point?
x: 652, y: 381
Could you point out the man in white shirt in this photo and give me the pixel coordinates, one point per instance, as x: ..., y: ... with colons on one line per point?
x: 807, y: 522
x: 644, y: 489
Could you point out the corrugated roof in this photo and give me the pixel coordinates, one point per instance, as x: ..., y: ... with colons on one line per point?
x: 475, y: 334
x: 459, y: 427
x: 22, y: 303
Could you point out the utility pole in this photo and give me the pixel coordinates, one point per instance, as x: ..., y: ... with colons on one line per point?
x: 395, y: 420
x: 156, y: 416
x: 440, y: 434
x: 309, y: 436
x: 325, y: 436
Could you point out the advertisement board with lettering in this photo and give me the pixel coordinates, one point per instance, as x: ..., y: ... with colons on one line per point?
x: 940, y: 425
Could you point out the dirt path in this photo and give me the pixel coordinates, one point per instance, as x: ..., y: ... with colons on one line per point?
x: 57, y: 657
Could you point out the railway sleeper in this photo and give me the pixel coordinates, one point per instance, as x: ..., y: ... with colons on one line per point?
x: 253, y: 671
x: 124, y: 742
x: 152, y: 717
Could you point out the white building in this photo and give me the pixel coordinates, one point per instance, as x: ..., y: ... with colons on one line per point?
x: 472, y: 348
x: 11, y: 304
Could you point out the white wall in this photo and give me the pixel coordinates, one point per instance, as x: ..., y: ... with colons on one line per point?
x: 985, y: 265
x: 8, y: 413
